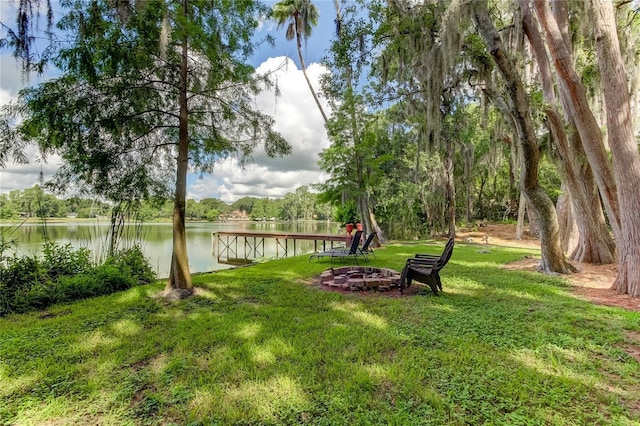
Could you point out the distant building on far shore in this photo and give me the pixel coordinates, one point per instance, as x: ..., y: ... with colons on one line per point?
x: 235, y: 215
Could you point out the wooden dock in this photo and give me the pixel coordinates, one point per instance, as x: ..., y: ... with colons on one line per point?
x: 250, y: 245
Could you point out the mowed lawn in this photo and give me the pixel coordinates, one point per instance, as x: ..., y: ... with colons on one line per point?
x: 264, y: 345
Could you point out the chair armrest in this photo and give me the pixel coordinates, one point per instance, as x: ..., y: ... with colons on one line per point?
x: 427, y: 256
x: 422, y: 262
x: 420, y: 268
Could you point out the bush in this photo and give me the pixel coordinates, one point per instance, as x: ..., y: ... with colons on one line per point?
x: 63, y: 275
x: 39, y: 296
x: 63, y: 260
x: 104, y: 279
x: 20, y: 272
x: 85, y: 213
x: 132, y: 261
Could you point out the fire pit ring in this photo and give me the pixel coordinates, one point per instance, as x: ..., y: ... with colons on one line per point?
x: 360, y: 278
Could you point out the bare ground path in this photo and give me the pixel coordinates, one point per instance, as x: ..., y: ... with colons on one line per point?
x: 591, y: 282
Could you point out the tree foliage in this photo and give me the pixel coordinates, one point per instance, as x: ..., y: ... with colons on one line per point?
x: 113, y: 114
x: 149, y: 89
x: 438, y: 118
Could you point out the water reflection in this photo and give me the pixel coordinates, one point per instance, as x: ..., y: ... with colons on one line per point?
x: 156, y: 239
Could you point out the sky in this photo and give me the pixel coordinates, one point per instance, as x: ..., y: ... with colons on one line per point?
x: 296, y: 118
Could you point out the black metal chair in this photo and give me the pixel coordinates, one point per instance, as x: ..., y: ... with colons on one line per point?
x: 365, y: 250
x: 352, y: 251
x: 425, y: 268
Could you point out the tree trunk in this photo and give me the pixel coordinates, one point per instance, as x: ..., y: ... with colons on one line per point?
x: 180, y: 277
x: 624, y: 149
x: 534, y: 224
x: 451, y: 189
x: 514, y: 189
x: 568, y: 229
x: 362, y: 200
x: 468, y: 200
x: 595, y: 244
x: 522, y: 209
x: 577, y: 106
x: 553, y: 259
x: 467, y: 153
x: 483, y: 181
x: 370, y: 223
x: 306, y: 77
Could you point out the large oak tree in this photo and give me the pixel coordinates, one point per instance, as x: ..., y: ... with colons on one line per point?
x: 618, y: 179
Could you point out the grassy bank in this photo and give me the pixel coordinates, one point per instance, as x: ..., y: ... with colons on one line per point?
x: 263, y: 345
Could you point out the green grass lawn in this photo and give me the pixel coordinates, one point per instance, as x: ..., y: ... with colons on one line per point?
x: 264, y: 346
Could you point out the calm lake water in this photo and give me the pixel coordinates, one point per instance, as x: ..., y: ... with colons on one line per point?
x: 156, y: 239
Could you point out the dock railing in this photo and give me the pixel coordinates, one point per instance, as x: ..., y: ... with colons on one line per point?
x: 250, y: 245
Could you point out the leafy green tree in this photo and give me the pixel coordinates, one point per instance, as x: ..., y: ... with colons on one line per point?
x: 306, y: 202
x: 150, y: 89
x: 29, y: 200
x: 272, y: 208
x: 72, y: 204
x: 34, y: 202
x: 258, y: 211
x: 244, y: 204
x: 195, y: 210
x: 212, y: 215
x: 290, y: 207
x: 85, y: 213
x: 7, y: 208
x: 215, y: 204
x: 349, y: 127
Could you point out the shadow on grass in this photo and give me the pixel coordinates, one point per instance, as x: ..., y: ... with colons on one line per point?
x: 256, y: 347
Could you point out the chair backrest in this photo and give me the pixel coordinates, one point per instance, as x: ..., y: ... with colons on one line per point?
x: 355, y: 242
x: 448, y: 245
x: 367, y: 242
x: 446, y: 255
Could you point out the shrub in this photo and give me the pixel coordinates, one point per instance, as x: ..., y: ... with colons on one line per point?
x: 61, y: 260
x: 103, y: 279
x: 39, y: 296
x: 132, y: 261
x: 64, y: 274
x: 17, y: 276
x: 20, y: 272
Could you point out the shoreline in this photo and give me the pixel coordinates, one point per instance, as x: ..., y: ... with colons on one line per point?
x: 106, y: 219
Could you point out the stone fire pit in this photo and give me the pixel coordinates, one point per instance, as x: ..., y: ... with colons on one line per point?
x: 360, y: 278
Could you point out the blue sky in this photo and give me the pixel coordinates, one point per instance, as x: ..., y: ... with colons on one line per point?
x: 295, y: 114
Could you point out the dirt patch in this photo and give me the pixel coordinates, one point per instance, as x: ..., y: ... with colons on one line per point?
x: 591, y: 282
x: 500, y: 235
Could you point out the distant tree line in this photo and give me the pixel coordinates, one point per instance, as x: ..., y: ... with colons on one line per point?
x: 35, y: 202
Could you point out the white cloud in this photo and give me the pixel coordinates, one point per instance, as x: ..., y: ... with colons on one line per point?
x: 5, y: 96
x: 12, y: 79
x: 230, y: 182
x: 21, y: 176
x: 299, y: 121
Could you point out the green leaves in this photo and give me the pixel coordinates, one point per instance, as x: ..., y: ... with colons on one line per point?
x: 113, y: 113
x: 301, y: 14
